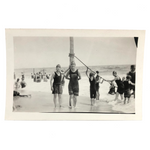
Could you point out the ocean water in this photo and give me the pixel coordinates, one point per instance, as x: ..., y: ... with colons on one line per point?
x: 103, y: 70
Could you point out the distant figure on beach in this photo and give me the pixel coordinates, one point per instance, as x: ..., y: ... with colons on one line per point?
x: 22, y: 76
x: 127, y: 88
x: 31, y: 76
x: 45, y: 78
x: 120, y: 85
x: 92, y: 81
x: 34, y: 77
x: 132, y: 73
x: 16, y: 93
x: 23, y: 83
x: 98, y: 81
x: 56, y: 86
x: 17, y: 85
x: 38, y: 78
x: 112, y: 88
x: 73, y: 75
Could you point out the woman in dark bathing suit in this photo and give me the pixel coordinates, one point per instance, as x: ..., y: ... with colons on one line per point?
x: 120, y: 85
x: 73, y: 75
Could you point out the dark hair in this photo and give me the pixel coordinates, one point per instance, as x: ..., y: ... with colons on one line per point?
x: 132, y: 66
x: 91, y: 74
x: 97, y: 71
x: 128, y: 77
x: 114, y: 72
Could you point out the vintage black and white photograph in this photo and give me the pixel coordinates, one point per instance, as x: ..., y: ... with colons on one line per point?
x: 75, y: 74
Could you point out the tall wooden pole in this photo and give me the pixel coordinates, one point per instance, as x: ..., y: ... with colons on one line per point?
x: 71, y: 54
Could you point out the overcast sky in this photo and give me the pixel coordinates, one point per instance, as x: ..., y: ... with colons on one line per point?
x: 39, y: 52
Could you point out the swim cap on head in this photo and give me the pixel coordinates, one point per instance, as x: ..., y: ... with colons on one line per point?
x: 58, y: 66
x: 97, y: 71
x: 132, y: 66
x: 128, y: 77
x: 91, y: 74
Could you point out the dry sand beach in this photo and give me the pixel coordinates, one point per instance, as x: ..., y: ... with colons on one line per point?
x: 41, y: 99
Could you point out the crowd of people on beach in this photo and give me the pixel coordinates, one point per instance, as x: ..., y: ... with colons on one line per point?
x: 123, y: 87
x: 39, y: 76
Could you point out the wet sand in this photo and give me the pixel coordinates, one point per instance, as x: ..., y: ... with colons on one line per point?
x: 43, y: 102
x: 42, y: 99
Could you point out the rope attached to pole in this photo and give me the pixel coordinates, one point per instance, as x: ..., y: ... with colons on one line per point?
x: 88, y: 67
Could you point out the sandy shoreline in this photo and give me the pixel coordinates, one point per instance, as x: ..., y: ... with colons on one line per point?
x: 42, y: 99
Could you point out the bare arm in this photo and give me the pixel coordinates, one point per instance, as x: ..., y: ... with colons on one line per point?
x: 67, y: 76
x: 131, y: 83
x: 51, y: 83
x: 79, y: 78
x: 112, y: 80
x: 87, y: 73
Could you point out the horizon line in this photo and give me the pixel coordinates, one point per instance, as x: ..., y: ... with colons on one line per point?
x: 77, y: 66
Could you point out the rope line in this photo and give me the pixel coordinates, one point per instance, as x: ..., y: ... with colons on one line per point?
x: 88, y: 67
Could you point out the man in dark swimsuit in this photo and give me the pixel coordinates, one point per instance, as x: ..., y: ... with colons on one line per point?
x: 73, y: 75
x: 56, y: 86
x: 132, y: 73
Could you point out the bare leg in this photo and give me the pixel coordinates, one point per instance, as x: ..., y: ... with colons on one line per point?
x: 128, y: 100
x: 59, y: 99
x: 97, y: 95
x: 70, y: 97
x: 91, y: 102
x: 121, y: 95
x: 74, y: 100
x: 54, y: 99
x: 124, y: 100
x: 117, y: 94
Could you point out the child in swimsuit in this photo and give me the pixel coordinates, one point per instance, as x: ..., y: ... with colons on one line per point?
x: 112, y: 88
x: 73, y: 75
x: 92, y: 81
x: 127, y: 88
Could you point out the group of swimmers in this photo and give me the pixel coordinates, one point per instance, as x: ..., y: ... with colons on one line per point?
x: 37, y: 77
x: 124, y: 86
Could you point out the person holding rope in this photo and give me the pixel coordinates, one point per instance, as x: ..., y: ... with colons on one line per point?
x: 92, y: 81
x: 98, y: 81
x: 73, y: 75
x: 132, y: 73
x: 120, y: 85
